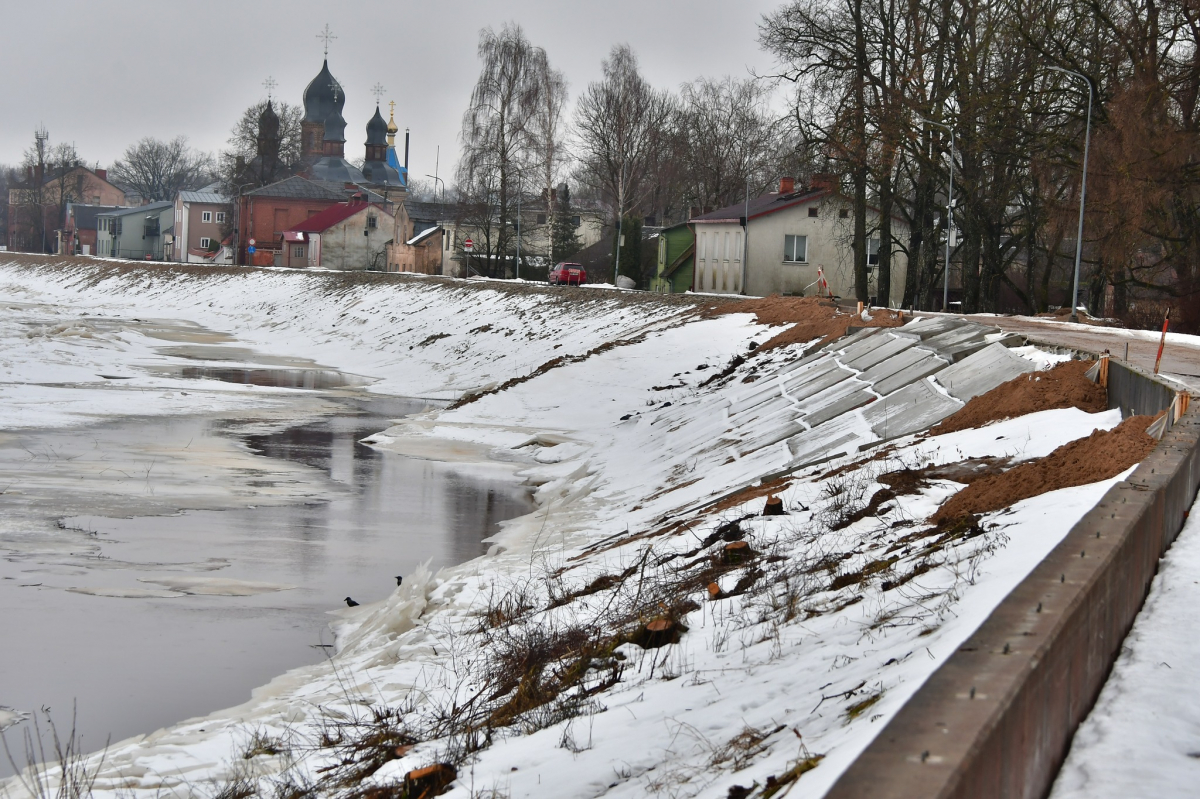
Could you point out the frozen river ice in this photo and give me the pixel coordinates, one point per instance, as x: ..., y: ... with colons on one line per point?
x: 141, y: 619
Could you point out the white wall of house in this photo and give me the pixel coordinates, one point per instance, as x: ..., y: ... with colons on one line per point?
x: 779, y: 265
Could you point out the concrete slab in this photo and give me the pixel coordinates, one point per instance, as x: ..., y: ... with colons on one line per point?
x: 846, y: 404
x: 834, y: 393
x: 800, y: 389
x: 959, y: 343
x: 983, y: 371
x: 773, y: 436
x: 856, y: 343
x: 887, y: 348
x: 926, y: 327
x: 840, y: 436
x: 909, y: 410
x: 911, y: 374
x: 894, y: 364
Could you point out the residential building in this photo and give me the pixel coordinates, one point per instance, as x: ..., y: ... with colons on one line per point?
x: 676, y: 260
x: 78, y: 235
x: 265, y: 213
x: 139, y: 234
x: 200, y: 222
x: 37, y: 206
x: 350, y: 236
x: 793, y: 236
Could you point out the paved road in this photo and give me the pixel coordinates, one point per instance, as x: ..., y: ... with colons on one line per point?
x: 1181, y: 358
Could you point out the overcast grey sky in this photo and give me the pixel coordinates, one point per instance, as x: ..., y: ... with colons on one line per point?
x: 104, y: 74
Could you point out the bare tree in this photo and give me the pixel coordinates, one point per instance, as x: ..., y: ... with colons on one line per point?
x: 158, y: 170
x: 622, y: 124
x: 730, y: 139
x: 500, y: 133
x: 53, y: 178
x: 262, y: 151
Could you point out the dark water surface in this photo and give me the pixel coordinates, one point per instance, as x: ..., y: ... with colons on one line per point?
x: 182, y: 615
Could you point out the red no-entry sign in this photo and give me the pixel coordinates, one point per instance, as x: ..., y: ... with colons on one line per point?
x: 468, y: 245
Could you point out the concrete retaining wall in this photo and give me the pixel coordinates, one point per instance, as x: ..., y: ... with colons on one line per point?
x: 1134, y: 391
x: 997, y: 718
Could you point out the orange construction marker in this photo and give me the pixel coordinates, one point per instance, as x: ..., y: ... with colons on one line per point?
x: 1162, y: 341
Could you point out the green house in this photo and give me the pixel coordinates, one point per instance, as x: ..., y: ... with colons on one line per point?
x: 676, y: 260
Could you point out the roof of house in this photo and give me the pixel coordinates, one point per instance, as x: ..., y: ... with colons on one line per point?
x: 299, y: 188
x: 85, y: 214
x: 424, y: 234
x: 429, y: 211
x: 203, y: 196
x: 761, y: 206
x: 331, y: 216
x: 159, y: 206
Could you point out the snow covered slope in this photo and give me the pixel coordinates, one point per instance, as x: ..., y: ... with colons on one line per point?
x: 646, y: 631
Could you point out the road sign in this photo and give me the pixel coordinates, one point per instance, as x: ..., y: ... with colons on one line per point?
x: 250, y: 249
x: 252, y: 242
x: 468, y: 245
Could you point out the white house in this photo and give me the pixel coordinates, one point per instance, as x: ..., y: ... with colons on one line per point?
x: 791, y: 234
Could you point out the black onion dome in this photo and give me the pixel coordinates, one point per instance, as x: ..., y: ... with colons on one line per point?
x: 377, y: 129
x: 335, y: 126
x: 268, y: 122
x: 323, y: 96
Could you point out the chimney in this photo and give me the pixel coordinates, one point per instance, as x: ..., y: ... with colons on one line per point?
x: 102, y: 173
x: 693, y: 212
x: 787, y: 185
x: 29, y: 173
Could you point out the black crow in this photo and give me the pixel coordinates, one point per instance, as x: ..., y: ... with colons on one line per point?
x: 399, y: 579
x: 351, y: 603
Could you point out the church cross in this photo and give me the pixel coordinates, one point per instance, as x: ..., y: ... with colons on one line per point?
x: 392, y: 107
x: 328, y: 36
x: 377, y: 90
x: 337, y: 91
x: 270, y: 85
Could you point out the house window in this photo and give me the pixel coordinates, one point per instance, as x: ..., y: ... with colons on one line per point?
x: 795, y: 249
x: 371, y: 222
x: 205, y: 241
x: 220, y: 217
x: 812, y: 211
x: 843, y: 213
x: 872, y: 252
x: 575, y: 221
x: 541, y: 219
x: 96, y: 200
x: 206, y: 216
x: 298, y: 251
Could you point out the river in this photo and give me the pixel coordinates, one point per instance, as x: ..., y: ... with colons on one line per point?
x: 132, y: 615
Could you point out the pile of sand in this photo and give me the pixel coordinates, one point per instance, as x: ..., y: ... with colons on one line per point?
x: 1064, y: 386
x: 1103, y: 454
x: 812, y: 318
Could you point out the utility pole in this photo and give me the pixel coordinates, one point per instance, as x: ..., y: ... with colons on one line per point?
x: 1087, y: 139
x: 949, y: 215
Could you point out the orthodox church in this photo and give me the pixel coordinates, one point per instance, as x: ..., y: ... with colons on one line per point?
x: 323, y: 139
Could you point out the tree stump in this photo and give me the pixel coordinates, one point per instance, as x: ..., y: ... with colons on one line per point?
x: 774, y: 507
x: 714, y: 591
x: 737, y: 552
x: 430, y: 781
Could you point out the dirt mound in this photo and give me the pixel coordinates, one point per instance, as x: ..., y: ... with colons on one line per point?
x: 1103, y: 454
x: 812, y: 318
x: 1063, y: 315
x: 1064, y: 386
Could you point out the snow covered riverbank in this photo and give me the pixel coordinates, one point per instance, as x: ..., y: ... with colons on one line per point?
x: 645, y: 631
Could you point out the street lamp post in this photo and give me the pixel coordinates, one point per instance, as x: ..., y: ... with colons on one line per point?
x: 949, y: 215
x: 1087, y: 139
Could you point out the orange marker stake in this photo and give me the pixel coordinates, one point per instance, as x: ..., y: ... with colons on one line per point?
x: 1162, y: 341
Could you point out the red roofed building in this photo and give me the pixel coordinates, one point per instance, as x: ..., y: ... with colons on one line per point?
x: 350, y: 236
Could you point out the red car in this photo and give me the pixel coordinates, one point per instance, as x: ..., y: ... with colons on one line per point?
x: 567, y: 275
